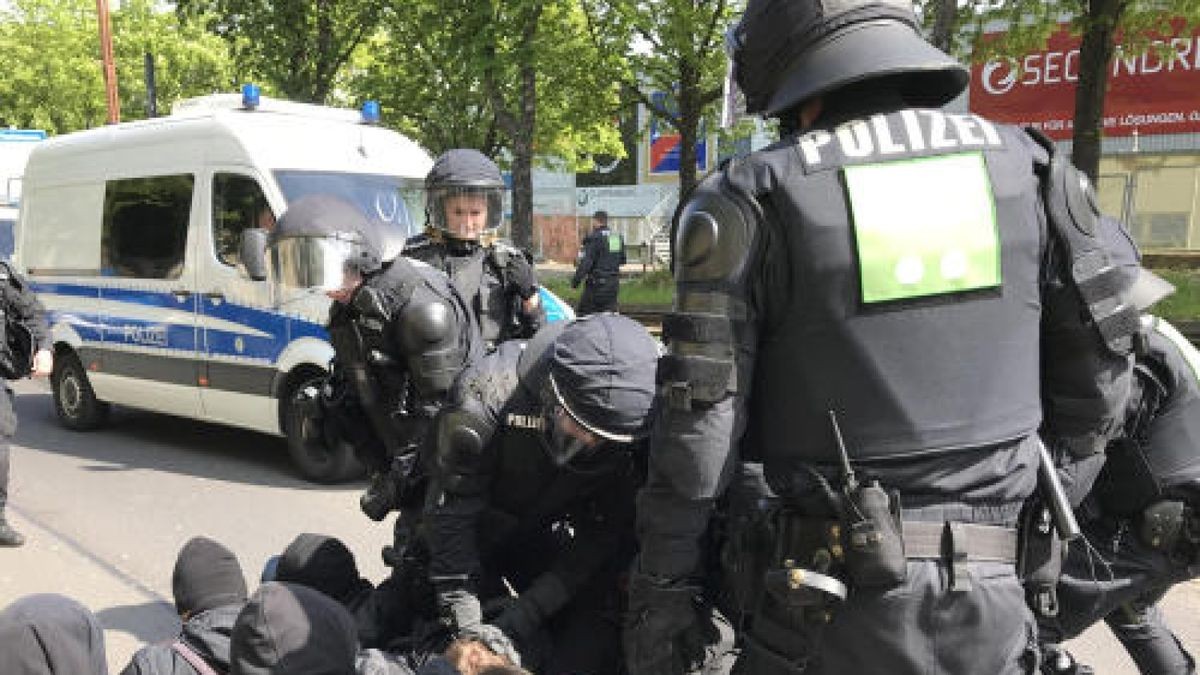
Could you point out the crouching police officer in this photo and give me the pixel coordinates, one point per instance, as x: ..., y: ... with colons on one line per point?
x: 1143, y: 515
x: 399, y: 332
x: 884, y: 308
x: 530, y: 513
x: 463, y: 211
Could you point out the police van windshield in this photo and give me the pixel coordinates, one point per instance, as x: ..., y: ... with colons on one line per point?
x: 397, y: 203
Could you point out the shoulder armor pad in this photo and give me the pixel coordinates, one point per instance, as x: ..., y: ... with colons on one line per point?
x: 461, y: 440
x: 1074, y: 217
x: 716, y: 227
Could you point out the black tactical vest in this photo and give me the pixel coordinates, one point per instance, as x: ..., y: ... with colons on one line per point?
x: 478, y: 279
x: 922, y: 339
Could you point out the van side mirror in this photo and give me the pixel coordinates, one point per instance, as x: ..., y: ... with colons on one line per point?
x: 253, y: 253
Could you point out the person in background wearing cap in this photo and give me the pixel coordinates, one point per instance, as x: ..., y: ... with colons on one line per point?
x: 463, y: 209
x: 49, y: 634
x: 209, y: 592
x: 599, y: 269
x: 1143, y: 513
x: 886, y: 308
x: 535, y: 463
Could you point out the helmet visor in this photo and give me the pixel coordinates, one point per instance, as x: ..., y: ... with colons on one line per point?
x: 570, y: 440
x: 316, y: 262
x: 465, y: 212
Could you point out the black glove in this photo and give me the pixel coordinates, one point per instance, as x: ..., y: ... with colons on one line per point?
x: 521, y: 276
x: 526, y: 613
x: 662, y: 632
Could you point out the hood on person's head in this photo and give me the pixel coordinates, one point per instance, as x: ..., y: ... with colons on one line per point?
x: 50, y: 634
x: 206, y: 575
x: 320, y: 562
x: 292, y: 629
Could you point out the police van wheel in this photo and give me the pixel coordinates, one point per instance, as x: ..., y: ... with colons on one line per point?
x: 74, y: 400
x: 315, y: 460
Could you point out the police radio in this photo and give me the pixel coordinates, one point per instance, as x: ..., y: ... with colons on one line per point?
x: 874, y: 543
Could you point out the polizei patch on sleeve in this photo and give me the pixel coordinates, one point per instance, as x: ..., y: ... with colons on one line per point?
x: 924, y: 227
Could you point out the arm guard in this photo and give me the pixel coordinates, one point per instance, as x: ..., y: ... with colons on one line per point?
x: 704, y: 377
x: 715, y: 236
x: 1088, y: 324
x: 1073, y: 216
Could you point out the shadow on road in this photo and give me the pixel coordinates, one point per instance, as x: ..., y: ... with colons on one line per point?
x: 149, y: 622
x: 135, y: 439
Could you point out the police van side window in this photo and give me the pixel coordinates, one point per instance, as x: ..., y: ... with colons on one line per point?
x: 145, y: 226
x: 238, y: 204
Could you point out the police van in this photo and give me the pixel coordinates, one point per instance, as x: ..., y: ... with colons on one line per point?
x: 131, y: 236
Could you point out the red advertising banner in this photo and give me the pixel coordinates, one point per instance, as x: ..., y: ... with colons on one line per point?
x: 1155, y: 92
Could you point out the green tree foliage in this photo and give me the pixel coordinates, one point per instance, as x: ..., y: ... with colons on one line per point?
x: 300, y: 49
x: 677, y: 47
x: 1105, y: 26
x: 53, y: 77
x: 517, y: 79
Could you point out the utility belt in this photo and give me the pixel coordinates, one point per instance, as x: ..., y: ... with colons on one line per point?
x: 854, y: 555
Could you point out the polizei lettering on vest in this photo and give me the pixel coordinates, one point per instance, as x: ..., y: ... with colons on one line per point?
x: 880, y: 137
x: 524, y: 421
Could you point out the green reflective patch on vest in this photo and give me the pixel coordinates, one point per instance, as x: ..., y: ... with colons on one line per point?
x: 1185, y: 347
x: 614, y: 243
x: 924, y: 227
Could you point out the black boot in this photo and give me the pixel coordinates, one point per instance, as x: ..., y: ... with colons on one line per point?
x: 9, y: 536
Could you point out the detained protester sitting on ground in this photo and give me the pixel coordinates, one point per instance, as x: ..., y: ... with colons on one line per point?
x: 293, y: 629
x: 48, y: 634
x: 323, y: 563
x: 209, y: 592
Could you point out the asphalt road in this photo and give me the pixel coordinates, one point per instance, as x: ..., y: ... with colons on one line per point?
x: 106, y: 512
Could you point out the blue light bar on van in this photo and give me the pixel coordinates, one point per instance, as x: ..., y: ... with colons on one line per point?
x: 370, y: 112
x: 250, y: 96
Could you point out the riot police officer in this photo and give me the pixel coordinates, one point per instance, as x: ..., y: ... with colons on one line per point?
x: 1143, y: 515
x: 530, y: 511
x: 399, y: 331
x: 464, y: 207
x: 884, y: 307
x: 24, y: 350
x: 599, y: 268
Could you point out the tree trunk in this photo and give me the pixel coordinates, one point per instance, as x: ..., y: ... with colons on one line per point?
x: 1095, y: 55
x: 945, y: 21
x: 522, y: 169
x: 688, y: 122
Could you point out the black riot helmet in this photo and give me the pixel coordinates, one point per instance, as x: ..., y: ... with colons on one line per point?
x: 319, y: 239
x: 595, y: 377
x: 465, y: 194
x: 785, y: 52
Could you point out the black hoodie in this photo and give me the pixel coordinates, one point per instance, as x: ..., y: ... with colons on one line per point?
x: 289, y: 628
x: 50, y: 634
x: 207, y: 634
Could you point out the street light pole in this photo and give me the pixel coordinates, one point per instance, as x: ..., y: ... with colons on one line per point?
x: 110, y: 69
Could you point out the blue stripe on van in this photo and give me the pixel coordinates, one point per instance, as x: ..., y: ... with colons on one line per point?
x: 95, y: 327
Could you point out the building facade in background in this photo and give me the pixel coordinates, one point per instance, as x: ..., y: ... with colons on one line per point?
x: 1150, y: 168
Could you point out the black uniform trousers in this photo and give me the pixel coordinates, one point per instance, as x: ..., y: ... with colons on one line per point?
x: 8, y: 425
x: 599, y: 295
